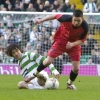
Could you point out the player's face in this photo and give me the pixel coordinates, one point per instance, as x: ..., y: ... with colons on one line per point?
x: 76, y: 21
x: 17, y: 54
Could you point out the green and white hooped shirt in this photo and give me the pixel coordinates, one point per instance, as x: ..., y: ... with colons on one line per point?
x: 29, y: 63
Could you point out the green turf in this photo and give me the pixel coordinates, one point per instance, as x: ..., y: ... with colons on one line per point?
x: 88, y: 88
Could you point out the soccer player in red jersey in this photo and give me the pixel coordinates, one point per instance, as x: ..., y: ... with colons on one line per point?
x: 68, y: 38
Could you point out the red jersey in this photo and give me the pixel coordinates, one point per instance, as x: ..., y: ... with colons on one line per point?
x: 67, y: 32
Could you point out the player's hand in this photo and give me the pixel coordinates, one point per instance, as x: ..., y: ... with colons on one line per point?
x: 37, y: 21
x: 69, y: 45
x: 56, y: 76
x: 27, y: 79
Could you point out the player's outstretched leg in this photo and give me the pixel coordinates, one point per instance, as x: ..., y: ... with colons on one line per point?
x: 40, y: 76
x: 71, y: 86
x: 71, y: 80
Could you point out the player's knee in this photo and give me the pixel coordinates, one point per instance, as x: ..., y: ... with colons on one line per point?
x: 76, y: 70
x: 20, y: 84
x: 48, y: 61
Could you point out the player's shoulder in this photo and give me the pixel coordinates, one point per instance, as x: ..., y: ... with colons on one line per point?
x: 65, y: 18
x: 29, y: 53
x: 84, y: 25
x: 69, y: 17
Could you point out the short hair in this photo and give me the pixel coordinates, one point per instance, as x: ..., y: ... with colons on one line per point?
x: 10, y: 48
x: 78, y: 13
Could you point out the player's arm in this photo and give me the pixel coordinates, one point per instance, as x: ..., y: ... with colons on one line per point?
x: 69, y: 45
x: 35, y: 57
x: 28, y: 79
x: 38, y: 21
x: 83, y: 36
x: 78, y: 42
x: 59, y: 17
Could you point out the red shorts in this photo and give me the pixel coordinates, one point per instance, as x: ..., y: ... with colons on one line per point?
x: 58, y: 48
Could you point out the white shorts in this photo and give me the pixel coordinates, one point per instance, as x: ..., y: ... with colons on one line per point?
x: 35, y: 84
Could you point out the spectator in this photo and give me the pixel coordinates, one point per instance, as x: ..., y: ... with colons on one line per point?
x: 71, y: 9
x: 17, y: 6
x: 19, y: 36
x: 2, y: 7
x: 50, y: 27
x: 1, y: 27
x: 66, y: 58
x: 7, y: 2
x: 46, y: 45
x: 90, y: 7
x: 10, y: 8
x: 36, y: 5
x: 40, y: 27
x: 34, y: 34
x: 84, y: 1
x: 86, y: 48
x: 56, y: 5
x: 11, y: 26
x: 26, y: 4
x: 1, y: 54
x: 91, y: 41
x: 41, y: 8
x: 9, y: 33
x: 11, y: 39
x: 19, y: 27
x: 98, y: 5
x: 3, y: 41
x: 89, y: 62
x: 65, y: 6
x: 43, y: 31
x: 33, y: 1
x: 28, y: 47
x: 31, y: 8
x: 58, y: 62
x: 25, y: 37
x: 5, y: 29
x: 96, y: 57
x: 39, y: 40
x: 26, y: 24
x: 47, y: 6
x: 38, y: 48
x: 13, y: 3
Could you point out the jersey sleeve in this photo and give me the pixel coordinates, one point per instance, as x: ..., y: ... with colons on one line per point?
x: 35, y: 57
x: 53, y: 69
x: 63, y: 18
x: 86, y: 28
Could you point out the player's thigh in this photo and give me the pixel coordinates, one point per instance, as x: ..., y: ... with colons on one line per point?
x: 74, y: 54
x: 56, y: 50
x: 75, y: 58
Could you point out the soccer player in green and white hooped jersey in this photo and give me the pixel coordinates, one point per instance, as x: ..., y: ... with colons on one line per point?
x: 28, y: 63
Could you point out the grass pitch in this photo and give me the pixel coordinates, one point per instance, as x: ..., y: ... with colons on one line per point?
x: 88, y: 88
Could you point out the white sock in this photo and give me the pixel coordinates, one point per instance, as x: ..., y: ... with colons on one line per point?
x: 69, y: 81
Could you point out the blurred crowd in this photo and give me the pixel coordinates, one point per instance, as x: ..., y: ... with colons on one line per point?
x: 89, y: 6
x: 39, y: 38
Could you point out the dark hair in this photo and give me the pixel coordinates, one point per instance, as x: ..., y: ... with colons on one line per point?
x: 10, y: 48
x: 78, y: 13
